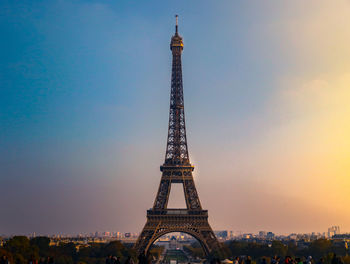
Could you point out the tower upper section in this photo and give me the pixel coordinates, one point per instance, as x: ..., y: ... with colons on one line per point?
x: 176, y: 151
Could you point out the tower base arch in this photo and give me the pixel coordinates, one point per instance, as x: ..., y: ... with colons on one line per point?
x: 194, y: 223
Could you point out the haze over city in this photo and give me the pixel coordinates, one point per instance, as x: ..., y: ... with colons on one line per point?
x: 85, y: 104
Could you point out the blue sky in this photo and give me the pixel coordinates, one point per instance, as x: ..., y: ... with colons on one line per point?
x: 84, y: 109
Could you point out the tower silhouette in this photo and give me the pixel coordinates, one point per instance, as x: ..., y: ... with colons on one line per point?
x: 177, y: 168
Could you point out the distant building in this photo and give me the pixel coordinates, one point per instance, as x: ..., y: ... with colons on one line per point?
x: 221, y: 234
x: 262, y: 234
x: 333, y: 230
x: 293, y: 236
x: 231, y: 234
x: 270, y: 235
x: 173, y: 243
x: 342, y: 236
x: 107, y: 234
x: 247, y: 236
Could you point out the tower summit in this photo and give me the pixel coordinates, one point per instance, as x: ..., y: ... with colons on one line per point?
x: 177, y: 168
x: 176, y: 40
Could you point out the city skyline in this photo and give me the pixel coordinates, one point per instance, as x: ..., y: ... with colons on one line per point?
x: 331, y: 231
x: 84, y: 112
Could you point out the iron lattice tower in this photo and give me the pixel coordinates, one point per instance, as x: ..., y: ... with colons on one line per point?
x: 177, y: 168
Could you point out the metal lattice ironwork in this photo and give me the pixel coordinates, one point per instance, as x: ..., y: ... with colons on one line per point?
x: 177, y: 169
x: 176, y: 151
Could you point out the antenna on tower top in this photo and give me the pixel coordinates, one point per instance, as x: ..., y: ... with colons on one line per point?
x: 177, y: 23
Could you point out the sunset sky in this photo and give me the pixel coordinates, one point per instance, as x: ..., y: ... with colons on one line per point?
x: 84, y: 103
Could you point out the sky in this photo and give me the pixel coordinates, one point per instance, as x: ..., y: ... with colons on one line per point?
x: 84, y: 103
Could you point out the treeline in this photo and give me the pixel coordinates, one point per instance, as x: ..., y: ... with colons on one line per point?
x: 317, y: 249
x: 21, y: 250
x: 321, y: 248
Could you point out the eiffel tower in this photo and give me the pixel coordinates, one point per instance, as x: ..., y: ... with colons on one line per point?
x: 177, y: 169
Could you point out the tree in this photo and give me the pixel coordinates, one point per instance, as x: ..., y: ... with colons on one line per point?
x: 278, y: 248
x: 43, y: 244
x: 320, y: 247
x: 21, y: 249
x: 156, y: 251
